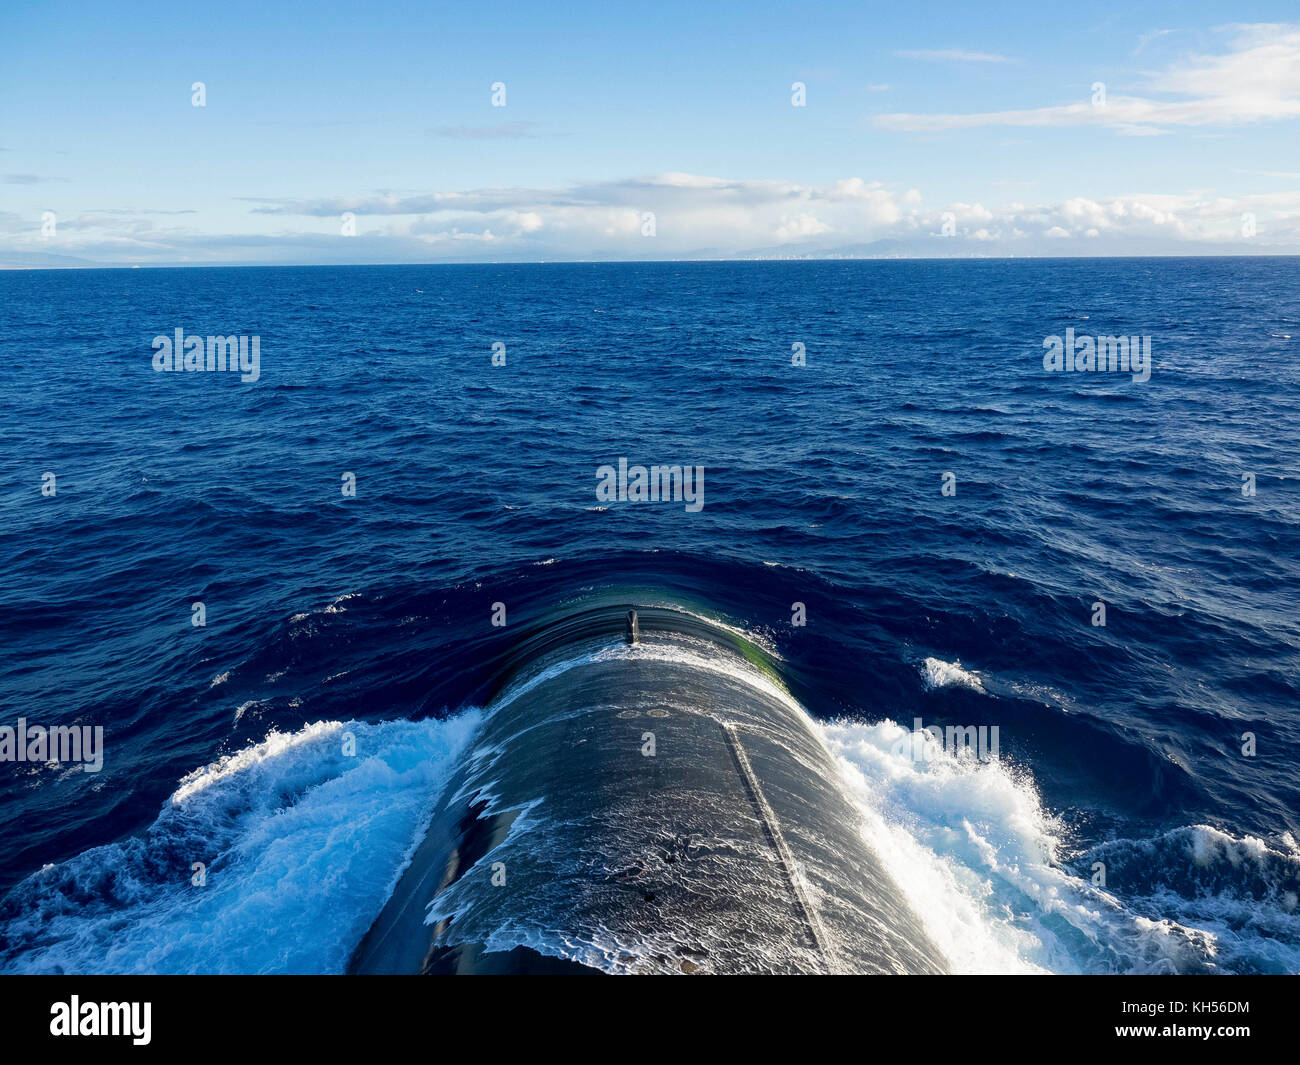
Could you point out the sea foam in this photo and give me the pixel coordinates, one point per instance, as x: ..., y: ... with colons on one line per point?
x: 987, y: 868
x: 302, y: 846
x: 941, y: 674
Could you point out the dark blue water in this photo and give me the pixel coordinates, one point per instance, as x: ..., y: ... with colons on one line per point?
x: 475, y: 484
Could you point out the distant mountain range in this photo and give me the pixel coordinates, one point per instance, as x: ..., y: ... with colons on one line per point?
x: 921, y: 247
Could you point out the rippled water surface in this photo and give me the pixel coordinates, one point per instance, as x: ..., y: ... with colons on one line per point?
x: 475, y: 485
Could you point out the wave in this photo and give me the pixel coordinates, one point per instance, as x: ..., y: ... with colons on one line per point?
x: 302, y: 844
x: 981, y: 860
x: 941, y: 674
x: 305, y: 843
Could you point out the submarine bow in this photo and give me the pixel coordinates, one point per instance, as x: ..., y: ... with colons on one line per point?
x: 644, y: 797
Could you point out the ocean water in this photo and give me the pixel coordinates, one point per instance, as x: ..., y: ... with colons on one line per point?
x: 369, y: 616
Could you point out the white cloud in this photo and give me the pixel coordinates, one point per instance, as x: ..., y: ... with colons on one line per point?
x: 799, y: 227
x: 1257, y: 79
x: 1147, y: 38
x: 527, y: 221
x: 503, y: 131
x: 696, y: 215
x: 952, y: 55
x: 1289, y: 175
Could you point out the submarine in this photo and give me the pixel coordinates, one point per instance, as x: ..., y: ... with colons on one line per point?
x: 644, y: 796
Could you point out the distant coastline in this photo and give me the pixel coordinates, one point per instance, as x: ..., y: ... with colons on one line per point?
x: 825, y: 258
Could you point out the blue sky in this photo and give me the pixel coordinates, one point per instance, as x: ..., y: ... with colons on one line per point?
x: 929, y: 128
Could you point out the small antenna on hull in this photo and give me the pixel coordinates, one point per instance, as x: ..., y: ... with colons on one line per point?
x: 633, y: 632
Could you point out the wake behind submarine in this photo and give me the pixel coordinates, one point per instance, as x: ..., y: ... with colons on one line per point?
x: 643, y: 796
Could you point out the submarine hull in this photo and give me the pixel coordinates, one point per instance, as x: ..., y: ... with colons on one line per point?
x: 655, y: 808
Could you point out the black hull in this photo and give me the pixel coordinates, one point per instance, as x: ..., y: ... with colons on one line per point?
x: 663, y: 807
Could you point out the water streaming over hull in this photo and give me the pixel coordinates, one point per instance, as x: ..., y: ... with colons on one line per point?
x: 658, y: 807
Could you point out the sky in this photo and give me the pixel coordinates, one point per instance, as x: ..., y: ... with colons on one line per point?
x: 370, y: 133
